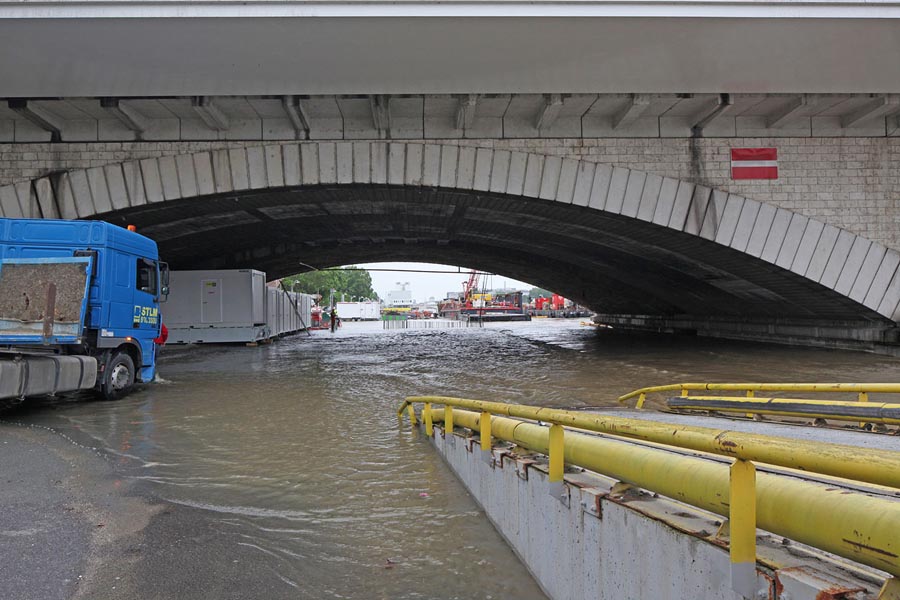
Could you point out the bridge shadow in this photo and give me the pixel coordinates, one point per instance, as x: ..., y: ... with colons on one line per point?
x: 645, y: 251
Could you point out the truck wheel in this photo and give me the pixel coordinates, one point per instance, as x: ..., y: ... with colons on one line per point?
x: 118, y: 377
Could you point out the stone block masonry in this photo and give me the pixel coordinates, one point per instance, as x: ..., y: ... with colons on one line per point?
x: 847, y: 182
x: 613, y: 223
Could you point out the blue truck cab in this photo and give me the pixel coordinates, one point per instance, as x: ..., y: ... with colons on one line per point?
x: 114, y: 320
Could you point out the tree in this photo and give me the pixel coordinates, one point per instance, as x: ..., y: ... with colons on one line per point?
x: 350, y: 281
x: 539, y: 293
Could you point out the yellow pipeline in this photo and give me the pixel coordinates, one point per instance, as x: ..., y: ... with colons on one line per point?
x: 862, y: 528
x: 880, y: 467
x: 875, y: 388
x: 795, y: 407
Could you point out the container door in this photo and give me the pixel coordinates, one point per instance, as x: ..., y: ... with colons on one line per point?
x: 211, y: 301
x: 258, y: 304
x: 271, y: 311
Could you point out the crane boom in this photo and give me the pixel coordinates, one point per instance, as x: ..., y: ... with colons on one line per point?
x: 470, y: 286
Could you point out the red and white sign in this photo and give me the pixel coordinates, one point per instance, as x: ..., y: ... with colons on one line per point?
x: 754, y: 163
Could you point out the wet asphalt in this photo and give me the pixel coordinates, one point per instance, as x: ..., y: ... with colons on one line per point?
x: 45, y: 531
x: 70, y: 529
x: 47, y: 520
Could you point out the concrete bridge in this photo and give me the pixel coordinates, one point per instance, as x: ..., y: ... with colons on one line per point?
x: 644, y: 249
x: 164, y: 48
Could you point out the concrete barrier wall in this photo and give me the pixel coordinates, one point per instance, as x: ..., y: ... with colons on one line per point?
x: 611, y: 542
x: 592, y: 547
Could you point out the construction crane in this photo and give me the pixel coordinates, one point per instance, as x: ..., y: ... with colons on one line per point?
x: 470, y: 286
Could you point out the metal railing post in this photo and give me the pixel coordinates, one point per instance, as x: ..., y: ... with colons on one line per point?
x: 485, y: 433
x: 742, y: 522
x: 640, y: 401
x: 448, y: 419
x: 556, y: 452
x: 412, y: 415
x: 750, y: 394
x: 426, y: 416
x: 862, y: 397
x: 484, y: 426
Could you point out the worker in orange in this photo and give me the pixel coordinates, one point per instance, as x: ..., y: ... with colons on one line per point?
x: 163, y: 336
x: 159, y: 342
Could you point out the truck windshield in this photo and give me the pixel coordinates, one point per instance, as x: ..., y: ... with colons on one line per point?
x: 146, y: 276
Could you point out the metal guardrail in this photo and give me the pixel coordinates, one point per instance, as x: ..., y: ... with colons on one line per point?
x: 862, y: 390
x: 848, y: 462
x: 864, y: 412
x: 861, y: 527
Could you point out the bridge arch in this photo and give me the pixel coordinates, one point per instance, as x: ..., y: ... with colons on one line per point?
x: 622, y: 241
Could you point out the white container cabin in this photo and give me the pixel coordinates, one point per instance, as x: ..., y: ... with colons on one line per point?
x: 231, y: 306
x: 359, y: 311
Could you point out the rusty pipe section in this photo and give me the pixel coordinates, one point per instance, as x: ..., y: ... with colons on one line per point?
x: 860, y: 527
x: 881, y: 467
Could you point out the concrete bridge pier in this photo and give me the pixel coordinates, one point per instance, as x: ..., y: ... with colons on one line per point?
x: 875, y: 336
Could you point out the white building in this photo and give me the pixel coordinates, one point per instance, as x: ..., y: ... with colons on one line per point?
x: 400, y: 298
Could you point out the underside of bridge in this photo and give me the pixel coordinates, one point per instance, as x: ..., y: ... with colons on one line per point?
x: 633, y: 272
x: 644, y: 251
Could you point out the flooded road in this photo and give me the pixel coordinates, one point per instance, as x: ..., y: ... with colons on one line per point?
x: 280, y: 471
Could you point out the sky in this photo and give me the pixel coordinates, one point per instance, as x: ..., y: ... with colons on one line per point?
x: 428, y: 285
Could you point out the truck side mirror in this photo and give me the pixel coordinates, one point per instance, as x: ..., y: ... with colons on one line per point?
x: 164, y: 279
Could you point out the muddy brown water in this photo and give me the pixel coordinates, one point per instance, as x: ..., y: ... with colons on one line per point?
x: 292, y: 455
